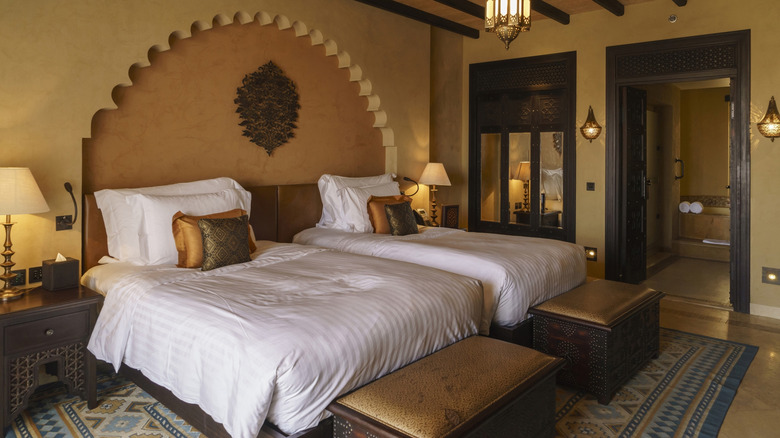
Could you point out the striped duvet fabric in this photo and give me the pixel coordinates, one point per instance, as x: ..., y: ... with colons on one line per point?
x: 517, y: 272
x: 281, y: 336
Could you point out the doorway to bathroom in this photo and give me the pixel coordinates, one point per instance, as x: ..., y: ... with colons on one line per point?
x: 691, y: 59
x: 687, y: 189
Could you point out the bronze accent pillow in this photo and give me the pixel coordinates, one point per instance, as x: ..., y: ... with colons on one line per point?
x: 189, y: 241
x: 401, y: 219
x: 376, y: 211
x: 224, y: 241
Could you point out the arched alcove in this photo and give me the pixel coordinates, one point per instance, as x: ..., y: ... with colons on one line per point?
x: 177, y: 119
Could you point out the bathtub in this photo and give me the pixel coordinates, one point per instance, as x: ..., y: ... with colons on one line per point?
x: 713, y: 223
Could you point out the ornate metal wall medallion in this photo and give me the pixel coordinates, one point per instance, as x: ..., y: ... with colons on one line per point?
x: 268, y: 105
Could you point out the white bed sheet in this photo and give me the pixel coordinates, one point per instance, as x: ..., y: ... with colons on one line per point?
x: 517, y: 272
x: 279, y: 337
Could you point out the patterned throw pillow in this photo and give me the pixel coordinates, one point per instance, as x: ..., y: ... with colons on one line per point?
x: 225, y: 241
x: 401, y: 219
x: 189, y: 241
x: 376, y: 211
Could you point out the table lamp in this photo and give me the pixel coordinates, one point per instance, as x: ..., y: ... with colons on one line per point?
x: 434, y: 175
x: 19, y: 194
x: 523, y: 173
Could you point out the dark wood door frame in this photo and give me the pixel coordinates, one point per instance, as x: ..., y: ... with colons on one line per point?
x: 685, y: 59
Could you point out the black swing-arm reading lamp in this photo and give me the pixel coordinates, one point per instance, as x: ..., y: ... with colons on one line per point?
x: 417, y: 186
x: 65, y: 222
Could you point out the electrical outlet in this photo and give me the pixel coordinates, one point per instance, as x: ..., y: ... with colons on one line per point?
x: 36, y: 274
x: 21, y: 278
x: 64, y: 223
x: 590, y: 186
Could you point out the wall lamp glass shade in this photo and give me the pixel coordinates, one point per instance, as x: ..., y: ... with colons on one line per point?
x: 507, y: 18
x: 591, y: 129
x: 769, y: 126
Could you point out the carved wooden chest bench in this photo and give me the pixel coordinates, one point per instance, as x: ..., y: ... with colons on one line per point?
x: 478, y: 387
x: 606, y: 331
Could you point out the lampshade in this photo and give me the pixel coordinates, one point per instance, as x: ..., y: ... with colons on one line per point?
x: 19, y: 193
x: 591, y: 129
x: 523, y: 171
x: 434, y: 174
x: 769, y: 126
x: 507, y: 18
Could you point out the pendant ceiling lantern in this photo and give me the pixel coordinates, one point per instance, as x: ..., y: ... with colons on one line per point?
x: 507, y: 18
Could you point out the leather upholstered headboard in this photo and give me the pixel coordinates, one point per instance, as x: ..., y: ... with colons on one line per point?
x: 278, y: 213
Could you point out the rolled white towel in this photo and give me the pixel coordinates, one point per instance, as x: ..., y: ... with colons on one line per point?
x: 696, y: 207
x: 685, y: 207
x: 717, y: 242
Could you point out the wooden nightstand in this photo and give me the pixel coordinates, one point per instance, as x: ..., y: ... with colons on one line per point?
x: 549, y: 218
x: 46, y: 327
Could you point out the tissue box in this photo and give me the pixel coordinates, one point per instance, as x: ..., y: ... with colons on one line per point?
x: 60, y: 275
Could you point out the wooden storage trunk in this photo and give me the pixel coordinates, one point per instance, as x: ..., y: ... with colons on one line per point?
x: 478, y: 387
x: 605, y: 330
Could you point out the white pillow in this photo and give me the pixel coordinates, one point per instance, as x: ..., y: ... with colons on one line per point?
x: 329, y: 186
x: 354, y: 214
x: 552, y: 183
x: 122, y: 222
x: 155, y: 235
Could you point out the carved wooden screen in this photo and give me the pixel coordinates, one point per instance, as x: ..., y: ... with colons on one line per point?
x: 521, y: 148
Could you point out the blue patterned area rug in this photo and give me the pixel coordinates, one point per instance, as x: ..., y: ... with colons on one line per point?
x: 684, y: 393
x: 123, y: 411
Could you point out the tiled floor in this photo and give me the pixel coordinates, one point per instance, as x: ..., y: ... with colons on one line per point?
x: 696, y: 279
x: 755, y: 411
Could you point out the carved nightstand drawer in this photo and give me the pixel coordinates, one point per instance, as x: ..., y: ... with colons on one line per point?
x: 47, y: 328
x: 46, y: 332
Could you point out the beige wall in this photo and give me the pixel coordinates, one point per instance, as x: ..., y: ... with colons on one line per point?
x: 589, y: 34
x: 446, y: 135
x: 62, y: 60
x: 704, y: 139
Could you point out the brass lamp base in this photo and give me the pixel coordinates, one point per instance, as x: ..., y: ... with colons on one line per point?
x: 12, y: 294
x: 8, y: 293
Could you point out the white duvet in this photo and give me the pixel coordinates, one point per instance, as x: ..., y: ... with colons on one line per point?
x: 517, y: 272
x: 279, y: 337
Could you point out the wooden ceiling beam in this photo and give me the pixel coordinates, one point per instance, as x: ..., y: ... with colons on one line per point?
x: 550, y: 11
x: 466, y: 6
x: 422, y: 16
x: 680, y: 3
x: 613, y: 6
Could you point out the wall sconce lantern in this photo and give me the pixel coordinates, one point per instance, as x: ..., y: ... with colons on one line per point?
x: 591, y: 129
x: 769, y: 126
x: 507, y: 18
x: 591, y: 254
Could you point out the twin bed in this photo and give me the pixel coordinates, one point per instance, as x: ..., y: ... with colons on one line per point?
x: 271, y: 341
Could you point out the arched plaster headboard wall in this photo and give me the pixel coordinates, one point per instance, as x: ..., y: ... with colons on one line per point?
x: 178, y: 121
